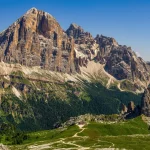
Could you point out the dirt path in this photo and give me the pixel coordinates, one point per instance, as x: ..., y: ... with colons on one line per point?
x: 72, y: 143
x: 62, y: 141
x: 99, y: 145
x: 81, y: 127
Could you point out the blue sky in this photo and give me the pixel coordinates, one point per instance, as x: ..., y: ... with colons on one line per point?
x: 128, y: 21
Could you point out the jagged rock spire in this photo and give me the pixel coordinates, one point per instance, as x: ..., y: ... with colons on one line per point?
x: 145, y: 103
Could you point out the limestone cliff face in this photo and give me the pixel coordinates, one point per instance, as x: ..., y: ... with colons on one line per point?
x: 145, y: 104
x: 36, y: 39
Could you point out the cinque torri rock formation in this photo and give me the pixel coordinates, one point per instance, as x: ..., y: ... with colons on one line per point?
x: 37, y: 39
x: 144, y: 108
x: 145, y: 104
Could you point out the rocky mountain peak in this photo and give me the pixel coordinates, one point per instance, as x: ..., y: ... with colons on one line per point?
x: 104, y: 40
x: 36, y: 11
x: 73, y: 25
x: 36, y: 39
x: 77, y: 32
x: 32, y: 10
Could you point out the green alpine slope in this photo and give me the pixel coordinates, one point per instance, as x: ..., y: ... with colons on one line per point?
x: 132, y: 134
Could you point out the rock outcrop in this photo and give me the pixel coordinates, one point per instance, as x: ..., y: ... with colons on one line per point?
x: 124, y: 109
x: 127, y: 109
x: 130, y: 111
x: 145, y: 104
x: 131, y: 107
x: 133, y: 111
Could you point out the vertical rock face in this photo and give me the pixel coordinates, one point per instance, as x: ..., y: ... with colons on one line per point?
x: 145, y: 104
x: 36, y: 39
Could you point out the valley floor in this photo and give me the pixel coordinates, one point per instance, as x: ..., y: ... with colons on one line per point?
x: 132, y: 134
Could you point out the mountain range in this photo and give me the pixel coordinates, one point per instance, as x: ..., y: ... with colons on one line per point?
x: 48, y: 74
x: 37, y: 39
